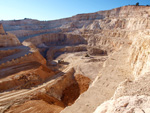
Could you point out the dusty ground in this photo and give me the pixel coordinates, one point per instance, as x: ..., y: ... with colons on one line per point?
x: 35, y: 106
x: 87, y: 66
x: 123, y: 31
x: 24, y: 76
x: 43, y: 102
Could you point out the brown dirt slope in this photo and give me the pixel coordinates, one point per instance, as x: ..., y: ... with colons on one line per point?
x: 71, y: 93
x: 35, y: 106
x: 5, y: 53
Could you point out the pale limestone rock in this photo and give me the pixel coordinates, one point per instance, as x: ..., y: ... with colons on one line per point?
x: 140, y: 86
x: 123, y: 31
x: 126, y: 104
x: 57, y: 39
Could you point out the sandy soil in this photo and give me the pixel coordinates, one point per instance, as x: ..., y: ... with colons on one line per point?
x: 87, y: 66
x: 35, y: 106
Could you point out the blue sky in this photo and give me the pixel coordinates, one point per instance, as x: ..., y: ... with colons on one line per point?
x: 56, y: 9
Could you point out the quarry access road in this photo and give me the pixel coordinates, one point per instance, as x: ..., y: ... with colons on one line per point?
x: 5, y: 97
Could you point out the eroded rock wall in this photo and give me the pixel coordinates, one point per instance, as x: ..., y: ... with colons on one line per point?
x: 123, y: 32
x: 57, y: 39
x: 8, y: 40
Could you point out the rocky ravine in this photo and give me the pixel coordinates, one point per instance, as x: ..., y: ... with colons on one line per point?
x: 120, y: 35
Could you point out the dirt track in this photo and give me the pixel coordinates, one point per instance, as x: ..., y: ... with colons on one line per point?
x: 6, y: 97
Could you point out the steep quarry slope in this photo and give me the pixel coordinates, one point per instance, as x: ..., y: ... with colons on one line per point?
x: 122, y: 34
x: 24, y: 72
x: 56, y: 39
x: 133, y: 96
x: 126, y: 104
x: 55, y: 94
x: 24, y: 75
x: 7, y: 39
x: 130, y: 96
x: 125, y: 32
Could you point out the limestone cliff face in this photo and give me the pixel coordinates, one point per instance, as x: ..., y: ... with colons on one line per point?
x: 130, y: 96
x: 57, y: 39
x: 140, y: 54
x: 123, y: 32
x: 138, y: 60
x: 123, y: 17
x: 52, y: 52
x: 7, y: 39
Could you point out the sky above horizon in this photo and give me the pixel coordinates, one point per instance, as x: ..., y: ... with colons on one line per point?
x: 56, y: 9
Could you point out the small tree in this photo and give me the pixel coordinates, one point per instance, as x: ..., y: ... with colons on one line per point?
x: 137, y: 4
x: 87, y: 55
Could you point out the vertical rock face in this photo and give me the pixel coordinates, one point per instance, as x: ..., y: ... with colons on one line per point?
x: 127, y: 30
x: 1, y: 29
x: 123, y: 32
x: 126, y: 104
x: 7, y: 39
x: 57, y: 39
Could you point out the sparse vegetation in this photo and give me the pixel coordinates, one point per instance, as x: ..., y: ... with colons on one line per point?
x: 137, y: 4
x: 86, y: 55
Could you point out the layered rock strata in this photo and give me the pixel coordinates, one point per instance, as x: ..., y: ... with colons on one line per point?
x: 7, y: 39
x: 1, y: 29
x: 122, y: 32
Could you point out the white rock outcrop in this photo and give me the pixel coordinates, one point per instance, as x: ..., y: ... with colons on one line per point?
x: 126, y: 104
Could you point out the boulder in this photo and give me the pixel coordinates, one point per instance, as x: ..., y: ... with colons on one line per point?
x: 126, y: 104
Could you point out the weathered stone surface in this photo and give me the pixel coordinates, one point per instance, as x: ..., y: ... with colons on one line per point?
x: 140, y: 86
x: 96, y: 51
x: 8, y: 40
x: 24, y: 75
x: 57, y: 39
x: 126, y: 104
x: 53, y: 52
x: 2, y: 32
x: 122, y: 32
